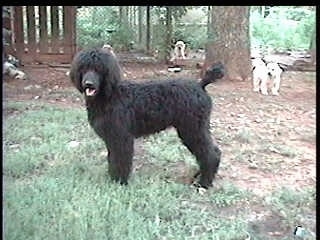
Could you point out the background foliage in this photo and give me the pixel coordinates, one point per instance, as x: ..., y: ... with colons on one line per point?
x: 285, y: 27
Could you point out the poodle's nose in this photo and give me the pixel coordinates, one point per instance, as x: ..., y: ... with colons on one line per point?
x: 90, y: 78
x: 88, y: 83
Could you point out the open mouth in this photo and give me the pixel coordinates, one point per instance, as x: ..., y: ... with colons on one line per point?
x: 90, y: 83
x: 90, y: 92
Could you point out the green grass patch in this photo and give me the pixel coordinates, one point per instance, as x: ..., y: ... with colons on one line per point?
x: 70, y: 208
x: 38, y: 136
x: 55, y: 191
x: 297, y: 207
x: 166, y: 147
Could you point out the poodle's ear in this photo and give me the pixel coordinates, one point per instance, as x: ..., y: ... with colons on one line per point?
x: 75, y: 77
x: 75, y: 74
x: 102, y: 62
x: 112, y: 74
x: 115, y: 73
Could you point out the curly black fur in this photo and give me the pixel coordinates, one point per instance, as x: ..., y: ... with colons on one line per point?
x: 120, y: 111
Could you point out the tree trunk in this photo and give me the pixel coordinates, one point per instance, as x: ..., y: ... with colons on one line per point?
x: 123, y: 15
x: 134, y: 16
x: 148, y: 29
x: 129, y: 14
x: 120, y: 14
x: 140, y: 17
x: 312, y: 47
x: 126, y: 15
x: 168, y: 33
x: 209, y: 22
x: 230, y: 42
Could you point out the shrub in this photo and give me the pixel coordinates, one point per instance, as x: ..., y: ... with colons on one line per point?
x: 281, y: 29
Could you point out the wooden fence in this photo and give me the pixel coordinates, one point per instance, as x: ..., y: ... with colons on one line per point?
x: 44, y: 34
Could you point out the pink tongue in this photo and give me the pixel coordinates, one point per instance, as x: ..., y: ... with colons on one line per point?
x: 90, y: 92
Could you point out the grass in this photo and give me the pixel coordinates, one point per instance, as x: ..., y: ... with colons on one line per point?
x: 166, y: 147
x: 55, y: 191
x: 295, y: 206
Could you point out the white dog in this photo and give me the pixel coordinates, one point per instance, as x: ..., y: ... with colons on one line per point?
x: 179, y: 51
x: 109, y: 49
x: 106, y: 47
x: 13, y: 71
x: 262, y: 73
x: 274, y: 72
x: 260, y: 76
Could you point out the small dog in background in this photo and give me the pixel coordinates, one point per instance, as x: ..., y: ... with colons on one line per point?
x: 263, y: 73
x: 260, y: 75
x: 179, y: 51
x: 274, y: 72
x: 108, y: 48
x: 12, y: 71
x: 11, y: 67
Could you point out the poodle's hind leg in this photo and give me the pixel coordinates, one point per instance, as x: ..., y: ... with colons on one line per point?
x: 200, y: 144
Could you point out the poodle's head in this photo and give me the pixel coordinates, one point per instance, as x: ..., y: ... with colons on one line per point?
x: 95, y: 72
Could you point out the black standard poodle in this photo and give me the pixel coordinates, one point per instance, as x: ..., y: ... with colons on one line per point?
x: 120, y: 111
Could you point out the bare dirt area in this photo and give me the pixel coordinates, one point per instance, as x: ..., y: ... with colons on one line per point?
x: 272, y: 137
x: 268, y: 142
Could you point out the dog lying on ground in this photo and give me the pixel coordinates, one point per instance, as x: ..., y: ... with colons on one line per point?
x: 120, y: 111
x: 263, y: 73
x: 10, y: 68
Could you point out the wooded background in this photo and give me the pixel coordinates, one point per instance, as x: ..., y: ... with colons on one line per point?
x: 227, y: 33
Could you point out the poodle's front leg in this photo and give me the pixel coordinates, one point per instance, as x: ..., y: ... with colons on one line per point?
x: 120, y: 154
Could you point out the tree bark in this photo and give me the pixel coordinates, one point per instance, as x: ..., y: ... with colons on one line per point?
x: 120, y: 14
x: 230, y: 42
x: 140, y: 17
x: 134, y: 16
x: 148, y: 29
x: 209, y: 22
x: 123, y: 15
x: 312, y: 47
x: 168, y: 33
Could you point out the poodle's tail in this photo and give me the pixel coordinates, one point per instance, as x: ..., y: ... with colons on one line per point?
x: 216, y: 71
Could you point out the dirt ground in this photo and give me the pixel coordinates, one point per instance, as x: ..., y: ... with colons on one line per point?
x: 267, y: 141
